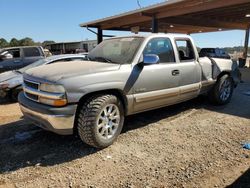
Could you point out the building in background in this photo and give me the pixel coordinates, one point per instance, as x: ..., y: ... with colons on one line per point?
x: 71, y: 47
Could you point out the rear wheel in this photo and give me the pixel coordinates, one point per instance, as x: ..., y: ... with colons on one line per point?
x: 222, y: 91
x: 100, y: 120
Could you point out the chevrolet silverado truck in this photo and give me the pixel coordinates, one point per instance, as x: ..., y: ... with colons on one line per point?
x: 123, y: 76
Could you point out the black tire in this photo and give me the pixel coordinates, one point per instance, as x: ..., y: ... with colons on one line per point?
x: 13, y: 95
x: 215, y: 95
x: 88, y: 116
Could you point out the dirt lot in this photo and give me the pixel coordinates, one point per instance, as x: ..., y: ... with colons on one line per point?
x: 193, y: 144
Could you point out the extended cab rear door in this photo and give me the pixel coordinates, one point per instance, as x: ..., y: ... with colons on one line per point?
x: 188, y: 68
x: 31, y: 54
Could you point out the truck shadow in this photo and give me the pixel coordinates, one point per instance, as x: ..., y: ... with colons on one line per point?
x: 23, y: 144
x: 6, y: 101
x: 242, y: 182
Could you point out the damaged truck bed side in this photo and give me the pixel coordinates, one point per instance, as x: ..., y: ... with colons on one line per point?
x: 122, y: 76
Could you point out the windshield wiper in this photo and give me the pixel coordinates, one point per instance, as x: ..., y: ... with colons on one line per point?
x: 18, y: 71
x: 103, y: 59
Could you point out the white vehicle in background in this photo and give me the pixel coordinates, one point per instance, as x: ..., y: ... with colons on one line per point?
x: 11, y: 81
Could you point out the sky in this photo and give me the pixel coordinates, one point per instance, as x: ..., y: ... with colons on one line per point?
x: 59, y: 20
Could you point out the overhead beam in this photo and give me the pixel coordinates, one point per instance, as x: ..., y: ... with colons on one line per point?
x: 204, y: 22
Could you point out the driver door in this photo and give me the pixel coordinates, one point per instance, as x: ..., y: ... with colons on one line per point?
x: 157, y: 84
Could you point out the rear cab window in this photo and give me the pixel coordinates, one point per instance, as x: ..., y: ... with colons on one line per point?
x: 185, y: 50
x: 31, y: 52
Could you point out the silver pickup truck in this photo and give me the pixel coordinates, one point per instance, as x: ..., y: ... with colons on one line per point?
x: 122, y: 76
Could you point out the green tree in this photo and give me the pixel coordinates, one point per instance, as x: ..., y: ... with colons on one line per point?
x: 14, y: 42
x: 47, y: 42
x: 26, y: 42
x: 3, y: 43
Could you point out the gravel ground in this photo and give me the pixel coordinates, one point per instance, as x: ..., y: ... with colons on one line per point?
x: 193, y: 144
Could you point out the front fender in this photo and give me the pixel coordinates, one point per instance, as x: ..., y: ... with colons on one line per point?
x: 74, y: 97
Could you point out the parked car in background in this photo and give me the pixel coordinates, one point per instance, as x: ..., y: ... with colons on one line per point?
x: 214, y: 52
x: 11, y: 81
x: 18, y: 57
x: 123, y: 76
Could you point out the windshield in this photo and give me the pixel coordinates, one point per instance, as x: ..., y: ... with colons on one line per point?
x: 117, y: 50
x: 35, y: 64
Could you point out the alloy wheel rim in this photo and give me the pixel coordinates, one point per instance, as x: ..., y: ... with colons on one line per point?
x: 225, y: 90
x: 108, y: 121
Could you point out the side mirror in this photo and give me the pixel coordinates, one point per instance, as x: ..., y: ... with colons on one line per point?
x: 150, y: 59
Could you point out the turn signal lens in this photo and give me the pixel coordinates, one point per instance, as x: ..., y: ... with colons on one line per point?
x: 53, y: 102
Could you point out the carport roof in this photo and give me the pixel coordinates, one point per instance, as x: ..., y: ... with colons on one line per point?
x: 182, y: 16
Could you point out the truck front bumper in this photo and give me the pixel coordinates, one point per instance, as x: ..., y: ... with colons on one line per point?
x: 58, y: 120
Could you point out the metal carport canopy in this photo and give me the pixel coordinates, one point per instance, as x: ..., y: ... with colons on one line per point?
x: 181, y: 16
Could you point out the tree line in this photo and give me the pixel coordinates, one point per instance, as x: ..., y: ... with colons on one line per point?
x: 30, y: 42
x: 22, y: 42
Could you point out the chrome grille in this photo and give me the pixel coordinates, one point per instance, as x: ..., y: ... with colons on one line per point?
x: 32, y: 91
x: 31, y: 85
x: 31, y: 96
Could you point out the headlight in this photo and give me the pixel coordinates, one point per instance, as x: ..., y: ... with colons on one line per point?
x: 52, y: 88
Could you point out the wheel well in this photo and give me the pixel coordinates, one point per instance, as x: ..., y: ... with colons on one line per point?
x: 222, y: 74
x: 116, y: 92
x: 225, y: 73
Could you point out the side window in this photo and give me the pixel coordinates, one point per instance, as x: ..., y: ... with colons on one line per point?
x: 15, y: 53
x: 185, y: 49
x: 217, y: 52
x: 161, y: 47
x: 222, y: 52
x: 31, y: 52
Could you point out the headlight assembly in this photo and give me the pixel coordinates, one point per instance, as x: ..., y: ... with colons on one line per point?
x: 51, y: 88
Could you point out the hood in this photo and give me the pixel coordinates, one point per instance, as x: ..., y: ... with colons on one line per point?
x: 8, y: 75
x: 58, y: 71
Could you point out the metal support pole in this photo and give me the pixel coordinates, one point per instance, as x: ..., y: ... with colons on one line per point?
x: 99, y: 36
x: 154, y: 25
x: 246, y: 43
x: 63, y: 51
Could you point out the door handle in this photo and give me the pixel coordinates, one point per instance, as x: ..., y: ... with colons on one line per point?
x: 175, y: 72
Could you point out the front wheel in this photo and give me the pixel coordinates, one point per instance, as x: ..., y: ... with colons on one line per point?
x: 100, y: 120
x: 222, y: 91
